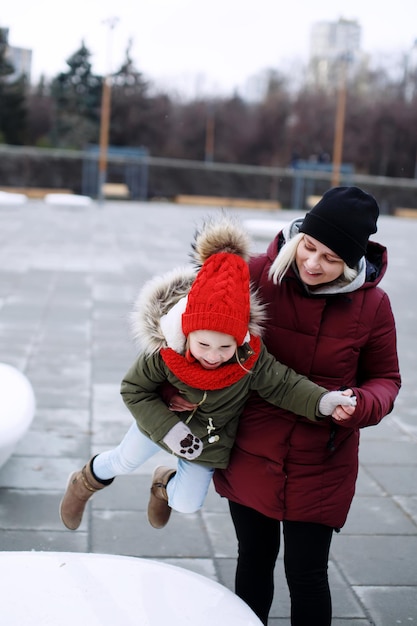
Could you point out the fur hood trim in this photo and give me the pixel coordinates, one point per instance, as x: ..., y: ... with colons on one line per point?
x: 156, y: 316
x: 155, y: 299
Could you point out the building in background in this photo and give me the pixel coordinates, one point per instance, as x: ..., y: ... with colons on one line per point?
x: 19, y: 58
x: 333, y: 43
x: 410, y: 74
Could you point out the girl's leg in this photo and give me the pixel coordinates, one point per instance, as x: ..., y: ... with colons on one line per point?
x: 187, y: 489
x: 99, y: 472
x: 306, y: 558
x: 258, y: 546
x: 134, y: 449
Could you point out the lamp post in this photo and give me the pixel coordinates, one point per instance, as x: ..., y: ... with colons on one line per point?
x: 105, y: 120
x: 339, y: 123
x: 209, y: 143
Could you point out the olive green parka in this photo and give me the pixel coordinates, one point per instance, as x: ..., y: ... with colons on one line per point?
x: 156, y: 323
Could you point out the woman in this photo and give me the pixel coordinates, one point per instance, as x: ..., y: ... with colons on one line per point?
x: 329, y: 320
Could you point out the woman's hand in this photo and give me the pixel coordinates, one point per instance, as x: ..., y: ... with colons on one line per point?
x: 342, y: 413
x: 179, y: 404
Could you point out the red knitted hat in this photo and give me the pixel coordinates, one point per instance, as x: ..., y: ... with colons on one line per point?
x: 219, y: 298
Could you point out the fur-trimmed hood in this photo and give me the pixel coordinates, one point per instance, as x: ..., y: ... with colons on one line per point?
x: 156, y: 316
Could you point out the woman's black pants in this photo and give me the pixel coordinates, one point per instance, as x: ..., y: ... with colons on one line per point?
x: 306, y: 555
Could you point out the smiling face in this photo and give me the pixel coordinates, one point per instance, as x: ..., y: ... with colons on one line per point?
x: 316, y: 263
x: 211, y: 348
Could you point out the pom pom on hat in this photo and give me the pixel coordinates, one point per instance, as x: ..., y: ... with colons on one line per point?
x: 343, y: 220
x: 219, y: 298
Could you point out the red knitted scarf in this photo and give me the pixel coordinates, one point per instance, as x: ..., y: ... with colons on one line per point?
x: 194, y: 375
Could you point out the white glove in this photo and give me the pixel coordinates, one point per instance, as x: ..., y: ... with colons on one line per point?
x: 182, y: 442
x: 332, y: 399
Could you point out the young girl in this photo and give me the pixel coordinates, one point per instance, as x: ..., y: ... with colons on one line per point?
x: 201, y: 334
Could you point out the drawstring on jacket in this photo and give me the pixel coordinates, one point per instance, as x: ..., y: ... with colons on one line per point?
x: 333, y: 431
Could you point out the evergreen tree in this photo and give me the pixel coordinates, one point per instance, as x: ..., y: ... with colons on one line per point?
x: 77, y: 98
x: 12, y: 99
x: 137, y: 117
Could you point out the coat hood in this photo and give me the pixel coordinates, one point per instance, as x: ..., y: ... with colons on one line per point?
x: 156, y: 316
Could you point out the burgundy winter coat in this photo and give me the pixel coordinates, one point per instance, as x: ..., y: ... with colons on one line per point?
x: 283, y: 465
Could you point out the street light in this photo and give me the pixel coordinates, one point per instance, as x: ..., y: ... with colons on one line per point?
x: 339, y: 122
x: 209, y: 143
x: 105, y: 117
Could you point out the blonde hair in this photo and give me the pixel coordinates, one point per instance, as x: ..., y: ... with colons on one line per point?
x: 286, y: 257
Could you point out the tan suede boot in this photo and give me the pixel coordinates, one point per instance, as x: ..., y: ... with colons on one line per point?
x: 81, y: 486
x: 159, y: 510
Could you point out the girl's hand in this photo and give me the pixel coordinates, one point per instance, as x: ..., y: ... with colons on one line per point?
x: 179, y: 404
x: 342, y: 413
x: 331, y: 400
x: 182, y: 442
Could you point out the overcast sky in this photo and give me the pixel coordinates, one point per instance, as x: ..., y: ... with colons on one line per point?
x: 211, y: 46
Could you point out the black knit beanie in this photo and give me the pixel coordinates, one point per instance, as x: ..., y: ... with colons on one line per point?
x: 343, y: 220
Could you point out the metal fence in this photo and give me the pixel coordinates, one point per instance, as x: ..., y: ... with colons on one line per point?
x: 26, y: 167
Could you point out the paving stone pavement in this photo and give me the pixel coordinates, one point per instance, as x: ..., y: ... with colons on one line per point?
x: 68, y: 276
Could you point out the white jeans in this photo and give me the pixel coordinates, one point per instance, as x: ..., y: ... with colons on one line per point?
x: 186, y: 490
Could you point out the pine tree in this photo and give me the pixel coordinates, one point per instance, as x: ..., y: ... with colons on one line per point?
x: 138, y: 118
x: 77, y: 97
x: 12, y: 99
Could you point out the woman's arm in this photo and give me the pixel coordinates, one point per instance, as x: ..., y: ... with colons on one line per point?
x: 174, y: 400
x: 379, y: 379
